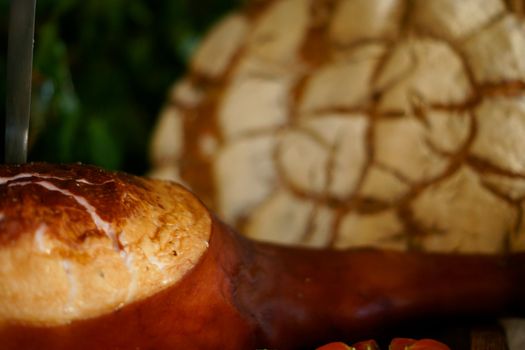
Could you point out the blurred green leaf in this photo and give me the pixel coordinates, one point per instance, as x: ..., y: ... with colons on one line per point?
x: 101, y: 72
x: 103, y: 148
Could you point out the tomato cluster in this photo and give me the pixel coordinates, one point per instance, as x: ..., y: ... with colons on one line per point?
x: 396, y: 344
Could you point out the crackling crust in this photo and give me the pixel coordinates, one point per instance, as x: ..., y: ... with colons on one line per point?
x: 77, y: 242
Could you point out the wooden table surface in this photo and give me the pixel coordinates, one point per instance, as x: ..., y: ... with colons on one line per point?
x: 488, y: 337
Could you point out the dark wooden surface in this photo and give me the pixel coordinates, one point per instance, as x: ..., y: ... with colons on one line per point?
x: 488, y: 337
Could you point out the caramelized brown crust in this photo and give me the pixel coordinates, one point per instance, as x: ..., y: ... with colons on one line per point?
x: 31, y: 194
x: 77, y: 241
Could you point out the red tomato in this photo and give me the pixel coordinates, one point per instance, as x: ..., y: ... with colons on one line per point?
x: 428, y: 344
x: 335, y: 346
x: 366, y: 345
x: 412, y: 344
x: 401, y: 343
x: 396, y: 344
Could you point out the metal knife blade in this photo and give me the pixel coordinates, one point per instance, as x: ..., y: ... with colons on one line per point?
x: 19, y: 70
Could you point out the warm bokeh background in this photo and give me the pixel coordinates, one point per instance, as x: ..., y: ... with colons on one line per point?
x: 101, y: 72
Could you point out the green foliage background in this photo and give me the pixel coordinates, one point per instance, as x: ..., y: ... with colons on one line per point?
x: 102, y: 69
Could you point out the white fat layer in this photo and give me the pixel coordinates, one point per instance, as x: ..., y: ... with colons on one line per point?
x: 129, y: 262
x: 99, y: 222
x: 122, y: 238
x: 73, y: 288
x: 159, y: 265
x: 154, y: 261
x: 39, y: 239
x: 4, y: 180
x: 84, y: 181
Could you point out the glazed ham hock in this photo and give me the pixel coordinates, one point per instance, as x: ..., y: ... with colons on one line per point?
x: 91, y: 259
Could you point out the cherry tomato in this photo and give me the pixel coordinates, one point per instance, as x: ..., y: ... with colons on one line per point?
x: 401, y: 343
x: 366, y: 345
x: 412, y: 344
x: 396, y: 344
x: 428, y: 344
x: 335, y: 346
